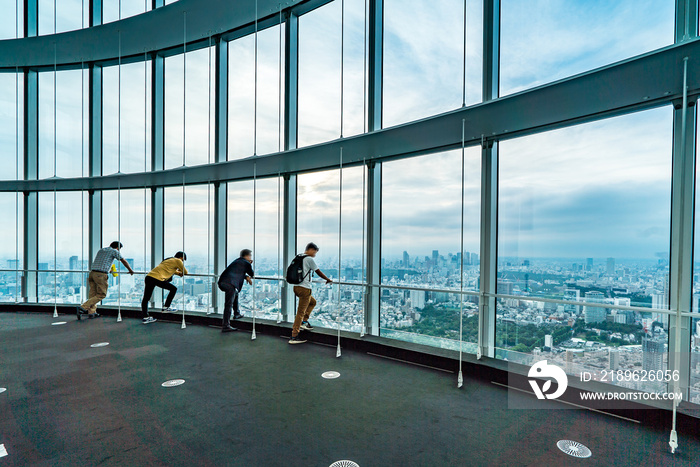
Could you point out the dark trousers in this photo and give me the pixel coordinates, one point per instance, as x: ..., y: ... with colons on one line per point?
x: 152, y: 283
x: 230, y: 301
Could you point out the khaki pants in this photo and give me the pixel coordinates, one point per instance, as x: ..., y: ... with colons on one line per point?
x: 306, y: 306
x: 97, y: 283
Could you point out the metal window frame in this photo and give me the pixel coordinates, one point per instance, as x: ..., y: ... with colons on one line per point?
x: 655, y: 74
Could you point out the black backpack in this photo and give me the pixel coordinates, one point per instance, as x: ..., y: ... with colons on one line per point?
x: 295, y: 271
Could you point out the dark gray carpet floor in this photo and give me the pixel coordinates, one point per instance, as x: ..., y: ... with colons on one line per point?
x: 264, y: 403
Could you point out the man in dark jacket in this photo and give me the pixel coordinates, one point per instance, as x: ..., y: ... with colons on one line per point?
x: 231, y: 282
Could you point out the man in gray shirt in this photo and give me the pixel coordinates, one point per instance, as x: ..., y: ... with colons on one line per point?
x: 98, y: 280
x: 303, y: 292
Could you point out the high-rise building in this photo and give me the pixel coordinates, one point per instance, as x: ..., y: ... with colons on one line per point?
x: 589, y: 264
x: 73, y: 265
x: 594, y: 314
x: 42, y: 275
x: 548, y: 342
x: 436, y: 257
x: 569, y: 358
x: 610, y: 267
x: 406, y: 259
x: 475, y: 259
x: 573, y: 295
x: 652, y: 353
x: 417, y: 299
x: 613, y: 360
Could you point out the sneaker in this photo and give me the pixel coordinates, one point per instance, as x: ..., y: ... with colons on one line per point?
x: 93, y: 315
x: 296, y: 340
x: 169, y: 309
x: 306, y: 326
x: 149, y: 320
x: 228, y: 328
x: 80, y: 311
x: 238, y: 316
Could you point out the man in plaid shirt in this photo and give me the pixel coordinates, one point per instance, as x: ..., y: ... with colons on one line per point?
x: 98, y: 280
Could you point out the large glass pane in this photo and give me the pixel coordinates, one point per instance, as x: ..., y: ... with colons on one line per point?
x: 196, y: 240
x: 420, y: 244
x: 11, y: 247
x: 12, y: 20
x: 320, y: 72
x: 584, y: 215
x: 113, y: 10
x: 695, y: 327
x: 196, y: 137
x: 429, y: 318
x: 63, y: 124
x: 318, y: 217
x: 63, y: 247
x: 560, y: 39
x: 66, y: 15
x: 266, y: 221
x: 11, y: 126
x: 131, y: 225
x: 126, y: 118
x: 269, y: 129
x: 424, y: 52
x: 421, y: 237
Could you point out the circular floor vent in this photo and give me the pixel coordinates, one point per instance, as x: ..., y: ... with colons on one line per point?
x: 3, y: 389
x: 331, y: 375
x: 100, y: 344
x: 573, y: 448
x: 173, y: 382
x: 345, y: 464
x: 57, y: 323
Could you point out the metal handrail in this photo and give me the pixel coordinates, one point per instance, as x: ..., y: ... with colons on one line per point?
x: 581, y: 303
x: 423, y: 289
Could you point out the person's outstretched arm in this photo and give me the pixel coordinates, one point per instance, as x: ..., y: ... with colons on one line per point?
x: 249, y: 274
x: 126, y: 265
x: 323, y: 276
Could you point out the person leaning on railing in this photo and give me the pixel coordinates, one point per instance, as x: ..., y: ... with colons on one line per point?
x: 162, y: 276
x: 98, y: 279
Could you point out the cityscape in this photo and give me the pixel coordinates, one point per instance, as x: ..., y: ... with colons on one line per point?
x: 588, y: 332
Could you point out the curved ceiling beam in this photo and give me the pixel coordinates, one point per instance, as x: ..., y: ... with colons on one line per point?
x: 643, y: 82
x: 156, y: 30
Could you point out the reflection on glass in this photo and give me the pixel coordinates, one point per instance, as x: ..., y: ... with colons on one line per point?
x: 113, y: 10
x: 584, y: 215
x: 12, y: 20
x: 576, y: 345
x: 68, y: 131
x: 320, y: 72
x: 695, y: 327
x: 429, y: 318
x: 70, y: 252
x: 198, y: 134
x: 65, y: 15
x: 133, y: 126
x: 11, y: 127
x: 424, y: 58
x: 11, y: 247
x: 132, y: 227
x: 421, y: 248
x: 196, y: 241
x: 566, y: 38
x: 242, y: 125
x: 318, y: 208
x: 266, y: 247
x: 420, y: 245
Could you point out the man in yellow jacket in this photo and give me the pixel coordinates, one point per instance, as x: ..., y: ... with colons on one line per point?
x: 161, y: 276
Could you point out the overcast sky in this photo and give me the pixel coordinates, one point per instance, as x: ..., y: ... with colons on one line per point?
x: 600, y: 189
